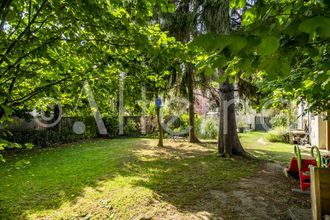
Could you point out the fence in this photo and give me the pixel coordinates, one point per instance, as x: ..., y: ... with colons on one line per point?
x: 31, y: 132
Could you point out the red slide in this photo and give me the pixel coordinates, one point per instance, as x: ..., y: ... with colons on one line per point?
x: 293, y: 169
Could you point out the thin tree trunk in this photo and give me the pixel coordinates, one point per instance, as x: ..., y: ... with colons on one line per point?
x: 183, y: 30
x: 160, y: 140
x: 2, y: 112
x: 192, y: 131
x: 220, y: 134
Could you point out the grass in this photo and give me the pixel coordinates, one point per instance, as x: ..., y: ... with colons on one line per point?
x: 120, y: 178
x: 257, y: 144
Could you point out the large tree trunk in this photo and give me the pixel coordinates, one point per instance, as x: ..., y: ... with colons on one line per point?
x: 232, y: 144
x: 216, y: 17
x: 192, y: 131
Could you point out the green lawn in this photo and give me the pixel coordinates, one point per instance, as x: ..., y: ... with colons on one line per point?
x: 257, y: 144
x: 119, y: 178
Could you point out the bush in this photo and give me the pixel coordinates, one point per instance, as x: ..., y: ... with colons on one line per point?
x: 279, y: 120
x: 279, y: 134
x: 111, y: 123
x: 61, y: 133
x: 184, y: 121
x: 131, y: 127
x: 179, y: 125
x: 209, y: 130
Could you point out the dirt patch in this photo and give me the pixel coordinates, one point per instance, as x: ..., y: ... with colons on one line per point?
x: 267, y: 195
x: 171, y: 149
x: 262, y: 141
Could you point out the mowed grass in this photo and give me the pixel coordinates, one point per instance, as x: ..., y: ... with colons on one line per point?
x: 120, y: 178
x: 257, y: 144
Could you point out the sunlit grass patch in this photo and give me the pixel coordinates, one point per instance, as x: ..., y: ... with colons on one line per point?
x: 113, y: 178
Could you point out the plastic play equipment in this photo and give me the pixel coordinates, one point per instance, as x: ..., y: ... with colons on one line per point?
x: 293, y: 170
x: 299, y: 168
x: 322, y: 161
x: 304, y: 176
x: 318, y: 156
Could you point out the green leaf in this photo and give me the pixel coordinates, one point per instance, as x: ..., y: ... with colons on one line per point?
x: 2, y: 159
x: 237, y: 43
x: 210, y: 42
x: 308, y: 26
x: 209, y: 71
x: 237, y: 3
x: 308, y: 83
x: 163, y: 8
x: 219, y: 62
x: 324, y: 27
x: 29, y: 145
x: 319, y: 23
x: 249, y: 17
x: 268, y: 46
x: 171, y: 8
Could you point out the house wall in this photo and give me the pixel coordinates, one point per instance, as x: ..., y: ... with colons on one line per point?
x: 301, y: 117
x: 328, y: 135
x: 319, y: 132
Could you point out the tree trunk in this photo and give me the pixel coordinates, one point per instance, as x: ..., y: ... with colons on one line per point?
x: 220, y: 134
x: 216, y: 17
x: 2, y: 112
x: 160, y: 140
x: 192, y: 131
x: 183, y: 29
x: 232, y: 144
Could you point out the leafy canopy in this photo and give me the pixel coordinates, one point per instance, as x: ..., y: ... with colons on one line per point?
x: 281, y: 46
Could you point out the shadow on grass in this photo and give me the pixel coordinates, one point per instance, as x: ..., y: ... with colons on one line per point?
x: 179, y: 174
x: 282, y: 158
x: 184, y: 177
x: 58, y: 175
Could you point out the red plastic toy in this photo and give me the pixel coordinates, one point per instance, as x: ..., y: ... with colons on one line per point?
x: 299, y: 168
x: 293, y: 169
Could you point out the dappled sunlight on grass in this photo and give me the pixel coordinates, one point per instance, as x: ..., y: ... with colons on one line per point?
x: 59, y: 175
x: 122, y: 178
x: 126, y: 174
x: 257, y: 145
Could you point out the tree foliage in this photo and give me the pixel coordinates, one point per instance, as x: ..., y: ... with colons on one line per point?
x: 282, y: 47
x: 50, y: 48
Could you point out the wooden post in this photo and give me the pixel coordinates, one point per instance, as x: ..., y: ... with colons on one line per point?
x: 315, y: 194
x: 320, y: 192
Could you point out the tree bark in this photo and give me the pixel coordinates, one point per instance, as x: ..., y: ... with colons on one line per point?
x: 232, y: 144
x: 220, y: 134
x: 160, y: 140
x: 216, y: 16
x: 192, y: 131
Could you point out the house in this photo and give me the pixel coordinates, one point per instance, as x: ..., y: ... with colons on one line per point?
x: 318, y: 127
x: 320, y: 131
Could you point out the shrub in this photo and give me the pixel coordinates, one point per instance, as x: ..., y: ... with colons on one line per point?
x: 279, y: 120
x: 209, y: 130
x: 111, y: 123
x: 184, y: 121
x: 279, y: 134
x: 131, y: 127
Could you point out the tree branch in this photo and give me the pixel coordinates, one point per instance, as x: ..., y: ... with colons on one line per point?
x: 36, y: 91
x: 24, y: 31
x: 9, y: 67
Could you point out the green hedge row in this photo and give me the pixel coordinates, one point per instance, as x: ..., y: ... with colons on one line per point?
x: 64, y: 133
